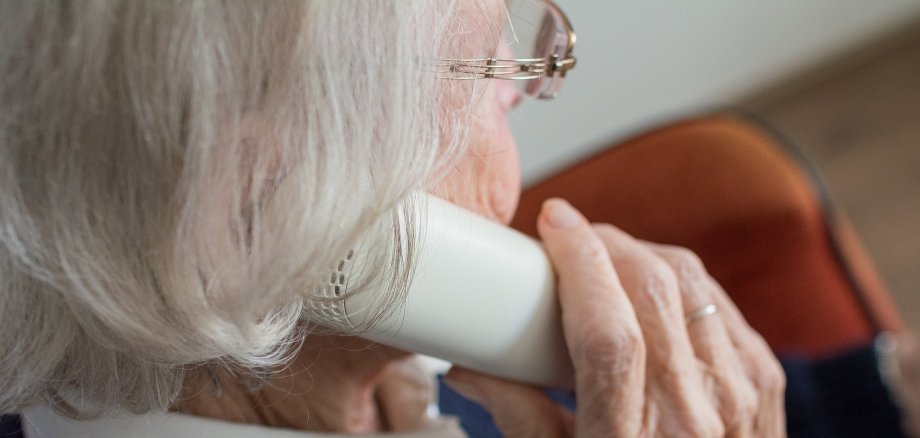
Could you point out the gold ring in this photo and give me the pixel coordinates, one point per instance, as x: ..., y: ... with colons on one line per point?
x: 701, y: 313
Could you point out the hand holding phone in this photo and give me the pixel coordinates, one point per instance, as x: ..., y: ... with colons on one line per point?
x: 645, y: 365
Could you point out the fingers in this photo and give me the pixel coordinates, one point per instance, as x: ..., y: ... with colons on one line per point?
x: 904, y: 373
x: 674, y: 374
x: 518, y: 410
x: 404, y: 395
x: 723, y: 373
x: 639, y: 368
x: 601, y: 329
x: 761, y: 366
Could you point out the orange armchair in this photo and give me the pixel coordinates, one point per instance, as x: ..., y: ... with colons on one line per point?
x: 729, y: 189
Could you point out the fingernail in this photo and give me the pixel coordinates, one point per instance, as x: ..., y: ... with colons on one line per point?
x: 559, y: 214
x: 465, y: 389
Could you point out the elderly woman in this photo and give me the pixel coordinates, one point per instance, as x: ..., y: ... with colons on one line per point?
x: 178, y: 177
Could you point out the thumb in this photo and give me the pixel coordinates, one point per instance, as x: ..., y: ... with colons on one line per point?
x: 519, y: 410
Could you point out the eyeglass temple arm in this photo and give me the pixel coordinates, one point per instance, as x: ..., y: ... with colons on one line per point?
x: 514, y: 69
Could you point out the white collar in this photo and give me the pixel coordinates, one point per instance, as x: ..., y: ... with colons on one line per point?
x: 42, y: 422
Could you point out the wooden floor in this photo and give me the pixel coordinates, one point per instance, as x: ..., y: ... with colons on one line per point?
x: 858, y: 119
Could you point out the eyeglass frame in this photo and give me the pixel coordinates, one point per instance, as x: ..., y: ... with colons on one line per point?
x: 516, y: 69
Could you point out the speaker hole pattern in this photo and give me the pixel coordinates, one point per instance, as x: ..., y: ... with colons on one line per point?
x: 330, y: 303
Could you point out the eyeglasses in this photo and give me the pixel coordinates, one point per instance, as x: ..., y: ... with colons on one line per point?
x: 540, y: 40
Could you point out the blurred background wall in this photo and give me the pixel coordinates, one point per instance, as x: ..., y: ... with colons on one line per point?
x: 840, y: 77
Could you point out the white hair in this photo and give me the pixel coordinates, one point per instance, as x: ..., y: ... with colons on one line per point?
x: 175, y: 177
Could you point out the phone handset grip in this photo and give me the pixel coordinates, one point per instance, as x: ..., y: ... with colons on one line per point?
x: 482, y: 297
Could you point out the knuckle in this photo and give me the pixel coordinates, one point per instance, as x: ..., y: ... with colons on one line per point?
x: 613, y: 350
x: 586, y: 257
x: 592, y: 250
x: 684, y: 262
x: 770, y: 376
x: 704, y: 423
x: 741, y: 403
x: 582, y: 246
x: 774, y: 377
x: 659, y: 282
x: 680, y: 253
x: 589, y: 262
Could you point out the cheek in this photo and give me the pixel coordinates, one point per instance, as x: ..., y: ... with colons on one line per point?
x: 502, y: 180
x: 487, y: 179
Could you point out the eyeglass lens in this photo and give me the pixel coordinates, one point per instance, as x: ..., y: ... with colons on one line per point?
x: 535, y: 31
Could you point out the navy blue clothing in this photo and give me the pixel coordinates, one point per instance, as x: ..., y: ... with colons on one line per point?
x: 841, y: 396
x: 10, y: 427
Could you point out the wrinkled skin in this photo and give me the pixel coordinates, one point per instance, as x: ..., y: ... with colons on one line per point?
x: 640, y: 369
x: 335, y: 383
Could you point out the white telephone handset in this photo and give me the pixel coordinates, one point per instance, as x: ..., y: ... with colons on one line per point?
x: 483, y: 297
